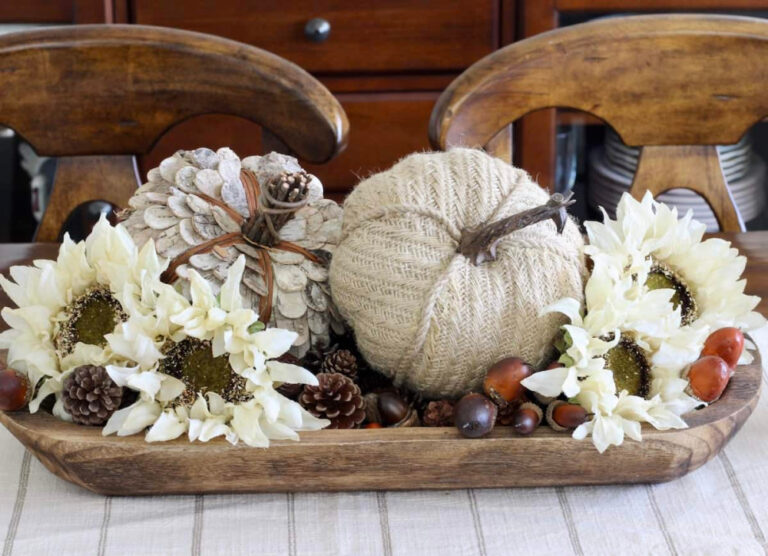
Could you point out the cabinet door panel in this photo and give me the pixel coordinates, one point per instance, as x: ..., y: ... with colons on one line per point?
x: 365, y: 36
x: 384, y: 127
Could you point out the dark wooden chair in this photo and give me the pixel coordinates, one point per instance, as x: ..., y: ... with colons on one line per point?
x: 97, y: 95
x: 675, y: 85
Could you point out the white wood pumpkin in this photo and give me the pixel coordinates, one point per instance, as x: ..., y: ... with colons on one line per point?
x: 197, y: 206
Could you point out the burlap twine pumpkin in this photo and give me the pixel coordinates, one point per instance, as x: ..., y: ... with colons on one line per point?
x: 423, y: 313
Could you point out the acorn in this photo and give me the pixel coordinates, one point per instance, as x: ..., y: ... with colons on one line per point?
x: 503, y: 380
x: 475, y: 415
x: 392, y: 408
x: 562, y: 416
x: 727, y: 343
x: 373, y: 426
x: 411, y: 419
x: 707, y: 378
x: 15, y: 390
x: 527, y: 418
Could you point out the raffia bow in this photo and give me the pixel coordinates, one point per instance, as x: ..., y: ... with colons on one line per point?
x: 261, y: 208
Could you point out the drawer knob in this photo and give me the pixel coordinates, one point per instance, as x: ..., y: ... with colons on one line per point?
x: 317, y: 29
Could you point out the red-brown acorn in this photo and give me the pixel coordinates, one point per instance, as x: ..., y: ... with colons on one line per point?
x: 726, y: 343
x: 15, y: 390
x: 392, y: 408
x: 708, y: 377
x: 562, y: 416
x: 502, y: 381
x: 526, y: 419
x: 475, y: 415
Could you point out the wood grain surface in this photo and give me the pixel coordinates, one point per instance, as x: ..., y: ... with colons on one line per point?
x: 404, y: 458
x: 115, y: 89
x: 694, y: 167
x: 662, y: 81
x: 366, y: 36
x: 378, y: 459
x: 384, y: 127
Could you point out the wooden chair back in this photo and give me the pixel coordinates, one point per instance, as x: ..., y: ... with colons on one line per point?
x: 674, y: 85
x: 97, y: 95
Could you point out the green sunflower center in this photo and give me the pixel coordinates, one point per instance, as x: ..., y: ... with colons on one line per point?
x: 89, y: 318
x: 192, y: 361
x: 662, y: 277
x: 631, y: 371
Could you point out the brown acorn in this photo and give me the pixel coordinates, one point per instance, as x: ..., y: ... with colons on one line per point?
x: 15, y: 390
x: 503, y: 380
x: 475, y: 415
x: 708, y: 377
x: 562, y: 416
x: 527, y: 418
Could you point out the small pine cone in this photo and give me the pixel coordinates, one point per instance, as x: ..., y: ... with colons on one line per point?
x: 313, y: 359
x: 341, y: 361
x: 336, y: 398
x: 438, y: 414
x: 506, y: 414
x: 90, y: 396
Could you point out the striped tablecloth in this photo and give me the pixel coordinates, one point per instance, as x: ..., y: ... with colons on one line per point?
x: 720, y: 509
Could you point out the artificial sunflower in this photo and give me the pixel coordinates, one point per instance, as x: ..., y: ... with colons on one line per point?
x: 659, y: 251
x: 211, y: 374
x: 656, y: 291
x: 67, y: 307
x: 607, y: 351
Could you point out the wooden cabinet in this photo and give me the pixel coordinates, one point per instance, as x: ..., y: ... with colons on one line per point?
x: 384, y: 127
x: 386, y: 61
x: 53, y: 11
x: 365, y: 36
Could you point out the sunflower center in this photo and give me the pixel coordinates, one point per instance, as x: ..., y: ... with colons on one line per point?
x: 89, y: 318
x: 663, y: 277
x: 192, y: 361
x: 631, y: 371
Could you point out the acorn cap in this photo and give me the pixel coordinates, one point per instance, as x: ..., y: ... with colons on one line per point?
x: 410, y: 420
x: 550, y: 417
x: 535, y: 408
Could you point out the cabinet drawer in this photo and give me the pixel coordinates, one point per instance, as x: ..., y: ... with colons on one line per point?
x: 367, y: 35
x: 384, y: 127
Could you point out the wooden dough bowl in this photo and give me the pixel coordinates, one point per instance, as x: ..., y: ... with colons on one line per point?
x: 381, y: 459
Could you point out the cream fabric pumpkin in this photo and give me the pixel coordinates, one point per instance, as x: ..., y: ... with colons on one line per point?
x: 423, y: 313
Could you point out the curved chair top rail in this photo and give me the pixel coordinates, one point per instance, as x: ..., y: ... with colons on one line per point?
x: 115, y: 89
x: 657, y: 79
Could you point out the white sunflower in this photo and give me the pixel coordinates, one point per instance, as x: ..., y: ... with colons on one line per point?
x: 606, y: 358
x: 65, y: 308
x: 209, y: 373
x: 657, y: 250
x: 663, y: 291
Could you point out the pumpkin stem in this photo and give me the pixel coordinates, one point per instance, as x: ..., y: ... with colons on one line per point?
x: 276, y: 204
x: 479, y: 243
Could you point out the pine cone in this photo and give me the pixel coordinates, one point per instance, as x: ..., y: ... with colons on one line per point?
x: 438, y: 414
x: 337, y: 398
x: 90, y: 396
x: 506, y: 414
x: 314, y: 358
x: 341, y: 361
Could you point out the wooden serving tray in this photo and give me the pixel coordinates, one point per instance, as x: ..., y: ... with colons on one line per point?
x: 381, y: 459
